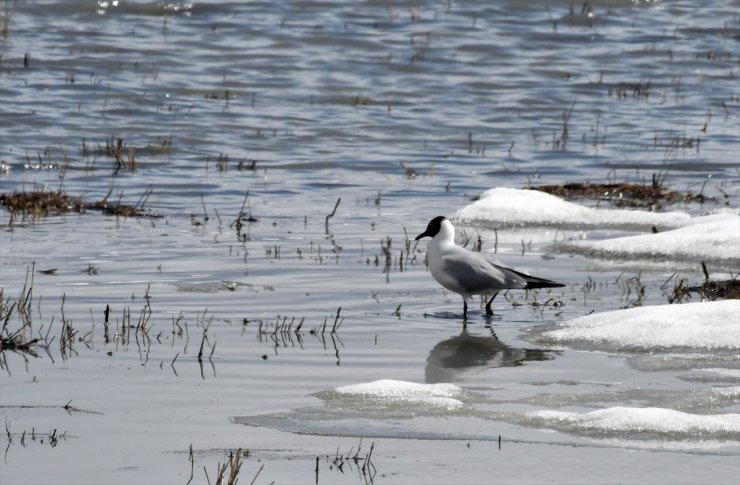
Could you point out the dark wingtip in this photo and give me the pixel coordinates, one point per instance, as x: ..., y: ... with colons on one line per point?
x: 534, y: 284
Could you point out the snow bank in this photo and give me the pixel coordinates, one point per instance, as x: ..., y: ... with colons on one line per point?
x: 402, y: 392
x: 520, y: 207
x: 645, y: 422
x: 715, y: 237
x: 706, y: 325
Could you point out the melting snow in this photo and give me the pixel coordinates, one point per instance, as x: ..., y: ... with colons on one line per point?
x: 532, y: 207
x: 732, y: 373
x: 392, y: 391
x: 711, y: 237
x: 704, y: 325
x: 645, y: 421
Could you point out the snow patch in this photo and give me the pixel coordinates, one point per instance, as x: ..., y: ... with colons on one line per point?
x: 714, y: 237
x: 702, y: 325
x: 642, y: 421
x: 722, y: 372
x: 520, y: 207
x: 401, y: 392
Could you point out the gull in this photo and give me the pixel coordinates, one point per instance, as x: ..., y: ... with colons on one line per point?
x: 468, y: 273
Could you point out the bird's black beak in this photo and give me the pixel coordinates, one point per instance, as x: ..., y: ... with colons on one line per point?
x: 423, y: 234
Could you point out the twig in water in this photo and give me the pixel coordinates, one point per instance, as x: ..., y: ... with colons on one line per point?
x: 144, y: 197
x: 337, y: 322
x: 192, y: 462
x: 566, y: 119
x: 326, y: 222
x: 238, y: 221
x: 205, y: 211
x: 256, y: 475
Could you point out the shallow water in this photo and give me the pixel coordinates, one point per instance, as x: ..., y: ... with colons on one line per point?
x: 299, y: 105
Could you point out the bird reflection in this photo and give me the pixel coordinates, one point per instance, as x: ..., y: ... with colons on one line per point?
x: 452, y: 356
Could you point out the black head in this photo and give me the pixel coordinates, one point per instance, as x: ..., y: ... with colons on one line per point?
x: 432, y: 228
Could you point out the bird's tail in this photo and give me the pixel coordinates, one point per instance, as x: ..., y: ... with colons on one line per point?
x: 534, y: 282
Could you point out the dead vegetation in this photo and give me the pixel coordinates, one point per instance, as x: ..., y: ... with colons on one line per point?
x: 706, y: 291
x: 40, y: 203
x: 27, y: 438
x: 711, y: 290
x: 282, y: 334
x: 637, y: 90
x: 19, y: 339
x: 5, y: 29
x: 625, y: 194
x: 362, y: 464
x: 133, y: 328
x: 227, y: 473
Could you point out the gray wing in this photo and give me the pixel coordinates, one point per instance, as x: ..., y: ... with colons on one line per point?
x: 514, y: 277
x: 476, y: 275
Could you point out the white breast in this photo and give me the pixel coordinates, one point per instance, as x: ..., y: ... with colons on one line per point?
x: 435, y: 253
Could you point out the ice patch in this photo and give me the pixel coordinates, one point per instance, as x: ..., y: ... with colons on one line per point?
x: 704, y: 325
x: 385, y: 408
x: 394, y: 393
x: 732, y: 373
x: 520, y: 207
x: 641, y: 423
x: 714, y: 237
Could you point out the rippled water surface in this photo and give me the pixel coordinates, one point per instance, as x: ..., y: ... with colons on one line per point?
x: 390, y: 113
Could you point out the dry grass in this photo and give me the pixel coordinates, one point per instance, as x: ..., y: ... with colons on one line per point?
x: 40, y: 203
x: 228, y: 472
x: 5, y: 30
x: 625, y: 194
x: 707, y: 291
x: 18, y: 339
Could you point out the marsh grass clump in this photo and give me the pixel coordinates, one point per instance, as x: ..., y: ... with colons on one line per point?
x: 39, y: 203
x: 118, y: 209
x: 19, y: 338
x: 707, y: 291
x: 27, y: 438
x: 362, y: 463
x: 123, y: 154
x: 637, y: 90
x: 227, y: 473
x: 624, y: 194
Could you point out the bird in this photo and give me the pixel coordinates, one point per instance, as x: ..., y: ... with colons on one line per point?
x: 469, y: 273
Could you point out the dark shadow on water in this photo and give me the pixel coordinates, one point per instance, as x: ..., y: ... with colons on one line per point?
x: 445, y: 316
x: 473, y: 317
x: 453, y: 356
